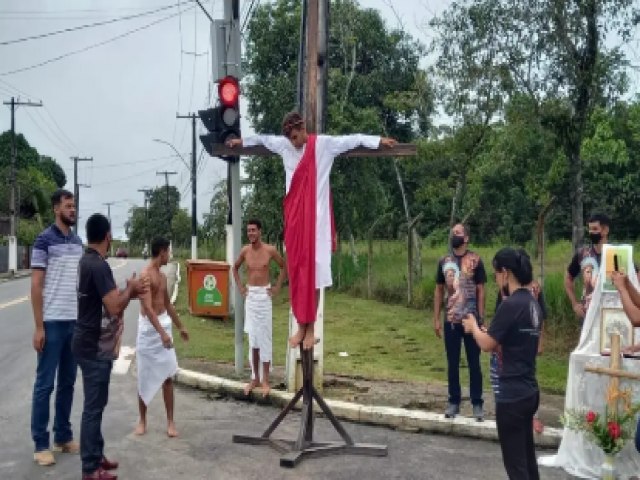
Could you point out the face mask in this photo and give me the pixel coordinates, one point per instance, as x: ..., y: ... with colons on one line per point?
x: 457, y: 241
x: 595, y: 238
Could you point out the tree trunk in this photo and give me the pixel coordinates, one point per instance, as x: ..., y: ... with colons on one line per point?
x: 455, y: 203
x: 577, y: 204
x: 352, y: 249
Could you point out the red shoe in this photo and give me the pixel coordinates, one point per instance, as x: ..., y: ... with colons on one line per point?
x: 99, y: 474
x: 107, y: 464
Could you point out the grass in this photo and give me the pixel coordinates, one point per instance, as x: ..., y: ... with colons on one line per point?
x: 391, y: 341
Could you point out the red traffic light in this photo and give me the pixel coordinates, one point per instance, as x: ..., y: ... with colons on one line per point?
x: 229, y: 91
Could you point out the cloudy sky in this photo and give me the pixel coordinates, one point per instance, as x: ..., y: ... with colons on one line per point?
x: 114, y: 96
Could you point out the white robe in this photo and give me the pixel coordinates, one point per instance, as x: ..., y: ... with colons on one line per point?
x: 155, y: 363
x: 258, y: 323
x: 327, y: 149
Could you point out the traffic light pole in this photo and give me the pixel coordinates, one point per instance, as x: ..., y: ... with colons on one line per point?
x: 231, y: 18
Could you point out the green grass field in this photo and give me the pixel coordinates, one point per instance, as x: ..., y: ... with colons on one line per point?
x: 388, y: 340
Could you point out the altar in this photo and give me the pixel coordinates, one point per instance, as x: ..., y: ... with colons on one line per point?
x: 588, y: 390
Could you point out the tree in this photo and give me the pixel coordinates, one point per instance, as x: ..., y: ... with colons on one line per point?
x: 551, y: 50
x: 158, y: 220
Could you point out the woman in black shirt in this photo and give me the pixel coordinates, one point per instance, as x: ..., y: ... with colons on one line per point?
x: 516, y: 330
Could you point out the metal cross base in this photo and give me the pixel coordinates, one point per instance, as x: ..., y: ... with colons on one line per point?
x: 294, y: 451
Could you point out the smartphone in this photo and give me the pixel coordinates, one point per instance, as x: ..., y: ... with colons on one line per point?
x: 615, y: 263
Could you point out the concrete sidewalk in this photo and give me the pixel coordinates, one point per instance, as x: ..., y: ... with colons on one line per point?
x: 4, y: 276
x: 397, y: 418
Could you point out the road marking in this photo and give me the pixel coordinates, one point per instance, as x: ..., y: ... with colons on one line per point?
x: 11, y: 303
x: 120, y: 265
x: 123, y: 362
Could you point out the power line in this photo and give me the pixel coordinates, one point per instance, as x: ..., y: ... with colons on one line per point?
x: 146, y: 160
x: 129, y: 175
x: 46, y: 110
x: 175, y: 123
x: 88, y: 25
x: 60, y: 147
x: 90, y: 47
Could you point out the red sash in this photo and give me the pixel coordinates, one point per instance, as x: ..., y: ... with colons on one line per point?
x: 300, y: 235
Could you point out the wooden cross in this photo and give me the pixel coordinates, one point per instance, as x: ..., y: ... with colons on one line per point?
x: 399, y: 150
x: 614, y: 371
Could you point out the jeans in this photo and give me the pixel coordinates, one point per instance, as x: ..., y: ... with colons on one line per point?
x: 56, y: 356
x: 515, y: 432
x: 638, y: 436
x: 453, y: 337
x: 95, y: 378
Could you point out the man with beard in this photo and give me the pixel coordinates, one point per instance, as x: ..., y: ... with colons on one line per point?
x: 258, y: 309
x: 54, y: 262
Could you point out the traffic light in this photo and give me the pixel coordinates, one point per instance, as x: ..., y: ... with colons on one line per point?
x: 223, y: 120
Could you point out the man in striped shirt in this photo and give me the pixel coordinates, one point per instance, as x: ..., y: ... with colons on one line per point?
x: 56, y: 254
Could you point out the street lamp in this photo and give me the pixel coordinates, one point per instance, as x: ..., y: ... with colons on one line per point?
x: 194, y: 221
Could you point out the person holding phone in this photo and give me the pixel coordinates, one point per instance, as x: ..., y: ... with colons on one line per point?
x: 515, y: 332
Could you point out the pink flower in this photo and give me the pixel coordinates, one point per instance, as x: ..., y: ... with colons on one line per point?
x: 591, y: 416
x: 614, y: 430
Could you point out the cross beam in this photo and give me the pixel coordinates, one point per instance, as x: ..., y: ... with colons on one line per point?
x: 614, y: 371
x: 399, y: 150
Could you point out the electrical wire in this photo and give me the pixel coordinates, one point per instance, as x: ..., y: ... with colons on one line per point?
x: 90, y: 47
x: 88, y: 25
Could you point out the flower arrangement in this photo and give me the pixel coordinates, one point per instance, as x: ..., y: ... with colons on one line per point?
x: 610, y: 431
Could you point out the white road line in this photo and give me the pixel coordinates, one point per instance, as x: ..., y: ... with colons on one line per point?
x: 123, y: 362
x: 120, y: 265
x: 16, y: 301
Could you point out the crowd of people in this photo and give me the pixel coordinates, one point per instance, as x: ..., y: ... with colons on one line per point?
x: 78, y: 310
x: 78, y: 313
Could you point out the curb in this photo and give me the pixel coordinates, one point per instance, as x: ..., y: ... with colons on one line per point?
x: 398, y: 418
x: 21, y: 274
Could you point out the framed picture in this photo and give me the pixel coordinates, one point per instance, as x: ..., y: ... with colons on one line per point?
x: 614, y: 320
x: 624, y: 253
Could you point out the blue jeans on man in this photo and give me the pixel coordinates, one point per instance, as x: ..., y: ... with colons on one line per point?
x: 56, y: 357
x: 95, y: 379
x: 454, y: 336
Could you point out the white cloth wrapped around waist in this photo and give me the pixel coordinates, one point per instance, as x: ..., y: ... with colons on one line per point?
x: 155, y: 363
x: 258, y: 323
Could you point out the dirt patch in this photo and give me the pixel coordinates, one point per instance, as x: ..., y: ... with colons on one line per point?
x: 410, y: 395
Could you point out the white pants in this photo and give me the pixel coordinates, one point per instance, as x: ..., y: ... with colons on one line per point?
x: 155, y: 362
x: 258, y: 323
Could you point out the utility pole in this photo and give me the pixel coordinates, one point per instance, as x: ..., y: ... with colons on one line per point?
x: 147, y: 193
x: 108, y: 204
x: 194, y: 191
x: 13, y: 209
x: 77, y: 200
x: 166, y: 183
x: 76, y: 189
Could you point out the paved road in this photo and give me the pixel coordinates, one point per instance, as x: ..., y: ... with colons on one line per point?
x: 204, y: 450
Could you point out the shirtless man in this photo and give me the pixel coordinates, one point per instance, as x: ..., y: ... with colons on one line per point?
x: 258, y: 309
x: 156, y: 358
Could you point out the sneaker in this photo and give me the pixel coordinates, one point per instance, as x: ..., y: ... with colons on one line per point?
x: 68, y: 447
x: 44, y: 458
x: 478, y: 413
x: 452, y: 410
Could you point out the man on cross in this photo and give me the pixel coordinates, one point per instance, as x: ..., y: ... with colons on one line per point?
x: 309, y: 231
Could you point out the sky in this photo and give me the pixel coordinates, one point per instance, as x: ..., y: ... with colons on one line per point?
x: 110, y: 102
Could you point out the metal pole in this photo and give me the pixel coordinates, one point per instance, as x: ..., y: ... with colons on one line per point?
x: 194, y: 211
x: 231, y: 14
